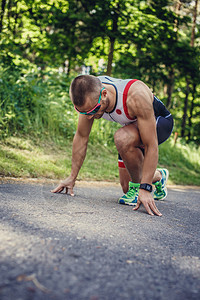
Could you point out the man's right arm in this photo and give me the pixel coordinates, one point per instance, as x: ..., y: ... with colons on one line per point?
x: 80, y: 142
x: 79, y: 149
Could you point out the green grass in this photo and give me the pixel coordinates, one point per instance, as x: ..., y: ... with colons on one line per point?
x: 28, y: 157
x: 31, y: 158
x: 24, y: 158
x: 182, y: 160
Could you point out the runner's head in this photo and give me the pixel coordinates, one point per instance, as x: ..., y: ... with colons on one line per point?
x: 83, y: 87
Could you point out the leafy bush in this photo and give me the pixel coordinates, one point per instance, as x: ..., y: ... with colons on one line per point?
x: 35, y: 102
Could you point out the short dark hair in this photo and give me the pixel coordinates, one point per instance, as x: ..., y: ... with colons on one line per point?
x: 83, y: 86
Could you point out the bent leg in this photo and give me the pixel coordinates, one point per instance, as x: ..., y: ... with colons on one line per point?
x: 127, y: 141
x: 124, y: 178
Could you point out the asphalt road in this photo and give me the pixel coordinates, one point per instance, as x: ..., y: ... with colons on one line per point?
x: 54, y: 246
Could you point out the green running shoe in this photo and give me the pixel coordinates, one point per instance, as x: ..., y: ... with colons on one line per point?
x: 130, y: 198
x: 160, y: 192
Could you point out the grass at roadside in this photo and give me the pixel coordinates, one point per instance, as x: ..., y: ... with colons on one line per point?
x: 32, y: 158
x: 22, y: 157
x: 182, y: 161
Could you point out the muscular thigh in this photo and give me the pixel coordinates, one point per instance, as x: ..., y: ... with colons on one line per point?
x: 128, y: 135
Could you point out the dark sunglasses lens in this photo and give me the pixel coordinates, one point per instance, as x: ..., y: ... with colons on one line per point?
x: 94, y: 111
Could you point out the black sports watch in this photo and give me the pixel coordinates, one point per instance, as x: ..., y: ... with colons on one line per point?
x: 146, y: 187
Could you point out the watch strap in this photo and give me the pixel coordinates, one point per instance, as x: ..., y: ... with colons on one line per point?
x: 146, y: 187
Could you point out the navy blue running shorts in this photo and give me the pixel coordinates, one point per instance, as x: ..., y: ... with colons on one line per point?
x: 164, y: 126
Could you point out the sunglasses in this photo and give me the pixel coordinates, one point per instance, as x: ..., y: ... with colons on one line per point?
x: 94, y: 110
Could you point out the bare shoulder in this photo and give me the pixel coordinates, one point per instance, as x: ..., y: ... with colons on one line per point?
x: 139, y: 98
x: 139, y: 88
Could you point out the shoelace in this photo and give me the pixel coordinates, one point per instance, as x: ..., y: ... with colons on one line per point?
x: 131, y: 192
x: 159, y: 186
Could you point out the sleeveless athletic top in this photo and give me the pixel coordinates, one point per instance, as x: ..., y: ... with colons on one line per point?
x: 120, y: 112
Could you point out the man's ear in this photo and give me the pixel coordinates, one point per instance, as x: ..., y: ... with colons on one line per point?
x: 104, y: 92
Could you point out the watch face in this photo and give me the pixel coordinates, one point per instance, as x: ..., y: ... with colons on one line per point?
x: 148, y: 187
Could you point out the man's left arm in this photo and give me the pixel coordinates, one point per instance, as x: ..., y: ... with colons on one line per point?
x: 141, y: 103
x: 148, y: 134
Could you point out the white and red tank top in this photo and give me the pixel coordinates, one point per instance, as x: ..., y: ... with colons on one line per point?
x: 120, y: 112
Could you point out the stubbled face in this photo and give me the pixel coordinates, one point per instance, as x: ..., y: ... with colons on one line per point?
x: 91, y: 103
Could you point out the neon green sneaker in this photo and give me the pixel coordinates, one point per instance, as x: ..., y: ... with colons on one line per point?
x: 160, y: 192
x: 130, y: 198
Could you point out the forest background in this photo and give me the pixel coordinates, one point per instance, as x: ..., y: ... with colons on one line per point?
x: 45, y: 43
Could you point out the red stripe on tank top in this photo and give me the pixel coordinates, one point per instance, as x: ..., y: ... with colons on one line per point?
x: 125, y: 97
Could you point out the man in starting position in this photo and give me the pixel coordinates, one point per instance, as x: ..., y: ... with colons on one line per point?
x: 146, y: 123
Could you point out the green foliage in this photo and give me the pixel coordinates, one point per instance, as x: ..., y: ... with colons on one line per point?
x: 35, y: 102
x: 38, y: 103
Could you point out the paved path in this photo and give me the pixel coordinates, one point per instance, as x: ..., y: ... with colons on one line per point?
x: 53, y: 246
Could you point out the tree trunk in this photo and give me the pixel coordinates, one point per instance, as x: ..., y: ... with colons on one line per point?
x: 170, y: 84
x: 170, y: 87
x: 177, y: 9
x: 194, y: 84
x: 69, y: 67
x: 194, y: 24
x: 112, y: 40
x: 185, y: 108
x: 110, y: 57
x: 3, y: 5
x: 9, y: 6
x: 191, y: 110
